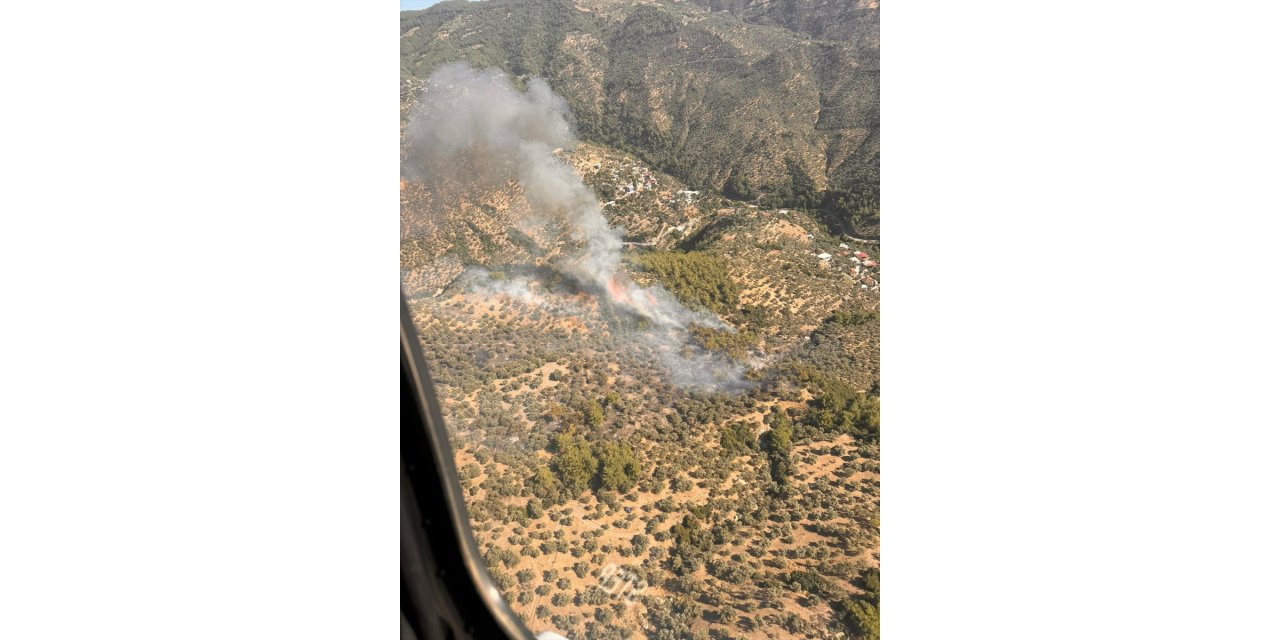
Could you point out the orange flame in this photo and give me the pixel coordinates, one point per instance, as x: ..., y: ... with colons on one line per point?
x: 617, y: 290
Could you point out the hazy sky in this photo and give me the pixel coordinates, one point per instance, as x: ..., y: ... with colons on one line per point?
x: 410, y: 5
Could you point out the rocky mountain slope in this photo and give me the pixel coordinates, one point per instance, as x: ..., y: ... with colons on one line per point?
x: 772, y: 95
x: 664, y: 402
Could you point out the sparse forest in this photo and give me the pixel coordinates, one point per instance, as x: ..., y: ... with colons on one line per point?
x: 610, y: 499
x: 743, y: 513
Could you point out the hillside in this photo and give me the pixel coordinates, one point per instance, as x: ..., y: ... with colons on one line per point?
x: 617, y: 489
x: 857, y: 22
x: 663, y: 398
x: 774, y: 97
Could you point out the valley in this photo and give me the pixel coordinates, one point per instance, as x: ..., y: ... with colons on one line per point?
x: 663, y: 392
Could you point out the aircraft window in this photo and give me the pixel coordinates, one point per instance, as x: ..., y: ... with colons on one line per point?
x: 639, y: 243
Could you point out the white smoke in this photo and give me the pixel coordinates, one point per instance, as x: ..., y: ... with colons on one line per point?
x: 520, y: 288
x: 474, y: 131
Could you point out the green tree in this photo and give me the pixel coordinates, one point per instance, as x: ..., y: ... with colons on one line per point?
x: 737, y: 439
x: 839, y: 408
x: 592, y: 413
x: 543, y: 484
x: 778, y: 444
x: 573, y: 463
x: 619, y: 469
x: 533, y: 508
x: 697, y: 279
x: 738, y: 188
x: 862, y: 618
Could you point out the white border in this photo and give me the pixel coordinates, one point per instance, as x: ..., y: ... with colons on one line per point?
x: 200, y: 265
x: 199, y: 249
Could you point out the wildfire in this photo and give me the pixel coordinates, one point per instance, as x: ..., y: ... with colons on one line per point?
x: 618, y: 290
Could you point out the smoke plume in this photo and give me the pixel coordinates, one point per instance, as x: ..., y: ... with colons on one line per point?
x: 473, y: 131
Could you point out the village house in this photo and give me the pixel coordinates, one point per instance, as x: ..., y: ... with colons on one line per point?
x: 824, y: 256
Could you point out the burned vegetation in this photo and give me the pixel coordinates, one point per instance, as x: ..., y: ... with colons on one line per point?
x: 742, y: 510
x: 664, y: 402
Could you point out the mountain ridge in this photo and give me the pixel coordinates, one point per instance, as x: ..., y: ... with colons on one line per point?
x: 719, y: 97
